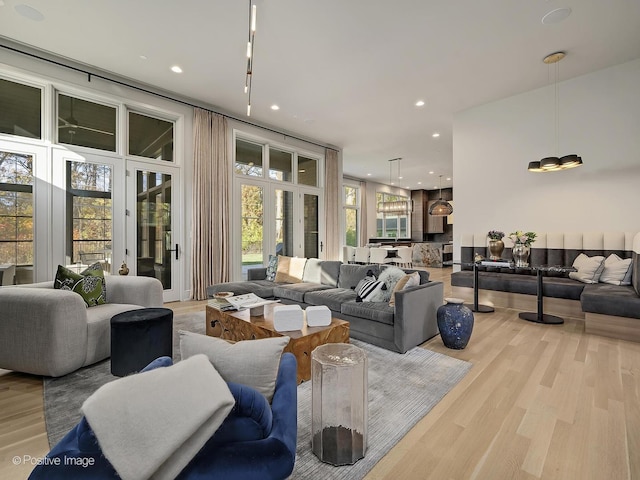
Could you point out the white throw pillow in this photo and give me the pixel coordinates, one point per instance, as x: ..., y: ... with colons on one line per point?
x: 290, y: 269
x: 588, y: 269
x: 390, y: 276
x: 250, y: 362
x: 617, y: 271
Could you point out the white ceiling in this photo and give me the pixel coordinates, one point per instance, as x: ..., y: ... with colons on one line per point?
x: 344, y: 72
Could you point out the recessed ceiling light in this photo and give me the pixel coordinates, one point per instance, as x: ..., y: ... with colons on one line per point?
x: 176, y: 69
x: 435, y: 186
x: 419, y: 183
x: 400, y: 178
x: 448, y: 178
x: 420, y: 103
x: 143, y: 57
x: 556, y: 16
x: 368, y: 174
x: 392, y: 183
x: 275, y: 107
x: 29, y: 12
x: 435, y: 135
x: 431, y: 173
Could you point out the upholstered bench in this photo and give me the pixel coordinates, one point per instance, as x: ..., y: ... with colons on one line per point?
x: 609, y: 310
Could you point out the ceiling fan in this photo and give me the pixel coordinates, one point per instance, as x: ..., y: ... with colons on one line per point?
x: 71, y: 124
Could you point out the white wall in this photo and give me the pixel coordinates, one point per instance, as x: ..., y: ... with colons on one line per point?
x: 493, y: 143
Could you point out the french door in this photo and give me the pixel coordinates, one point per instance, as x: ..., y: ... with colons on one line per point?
x: 154, y: 240
x: 88, y: 209
x: 270, y: 218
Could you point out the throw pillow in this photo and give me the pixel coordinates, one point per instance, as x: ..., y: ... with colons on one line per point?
x: 290, y: 269
x: 589, y: 268
x: 617, y: 271
x: 371, y: 291
x: 369, y: 277
x: 411, y: 280
x: 272, y: 267
x: 390, y: 276
x: 250, y: 362
x: 89, y: 284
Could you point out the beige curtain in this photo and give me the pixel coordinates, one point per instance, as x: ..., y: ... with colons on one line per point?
x: 332, y: 206
x: 210, y: 199
x: 363, y: 215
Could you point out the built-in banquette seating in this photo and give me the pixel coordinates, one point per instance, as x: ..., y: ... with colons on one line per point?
x: 609, y: 310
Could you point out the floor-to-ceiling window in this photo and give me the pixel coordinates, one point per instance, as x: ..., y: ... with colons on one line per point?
x: 277, y: 202
x: 351, y: 208
x: 72, y: 162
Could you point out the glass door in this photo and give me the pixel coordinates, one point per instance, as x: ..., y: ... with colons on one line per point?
x: 284, y: 222
x: 154, y: 243
x: 88, y: 201
x: 251, y: 239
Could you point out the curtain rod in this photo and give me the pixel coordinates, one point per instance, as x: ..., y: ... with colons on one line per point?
x: 157, y: 94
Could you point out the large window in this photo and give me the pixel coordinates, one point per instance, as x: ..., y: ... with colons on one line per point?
x: 351, y: 207
x: 21, y: 110
x: 16, y: 209
x: 389, y: 224
x: 277, y: 203
x: 89, y: 206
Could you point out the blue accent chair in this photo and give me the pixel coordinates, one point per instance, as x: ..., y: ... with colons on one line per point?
x: 256, y: 440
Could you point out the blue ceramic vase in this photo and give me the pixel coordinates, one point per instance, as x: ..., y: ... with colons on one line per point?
x: 455, y: 322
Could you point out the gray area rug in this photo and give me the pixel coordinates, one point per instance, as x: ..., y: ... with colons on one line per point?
x: 403, y: 388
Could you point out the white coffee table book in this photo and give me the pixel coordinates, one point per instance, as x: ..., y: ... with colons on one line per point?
x: 287, y: 318
x: 318, y: 316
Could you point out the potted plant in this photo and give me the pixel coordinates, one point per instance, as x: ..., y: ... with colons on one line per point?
x: 521, y: 246
x: 496, y: 245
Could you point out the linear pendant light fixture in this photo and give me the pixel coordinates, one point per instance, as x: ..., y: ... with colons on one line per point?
x: 398, y: 206
x: 252, y: 34
x: 440, y: 207
x: 554, y: 164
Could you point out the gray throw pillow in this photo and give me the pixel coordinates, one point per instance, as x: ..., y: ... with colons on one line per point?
x: 253, y: 363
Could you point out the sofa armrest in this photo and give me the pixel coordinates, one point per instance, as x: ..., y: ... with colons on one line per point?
x: 415, y: 316
x: 42, y: 331
x: 143, y: 291
x: 259, y: 273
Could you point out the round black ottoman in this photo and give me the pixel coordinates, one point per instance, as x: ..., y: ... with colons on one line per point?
x: 138, y: 337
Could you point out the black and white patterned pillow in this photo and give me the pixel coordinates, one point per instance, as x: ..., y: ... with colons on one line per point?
x: 272, y: 267
x: 371, y: 291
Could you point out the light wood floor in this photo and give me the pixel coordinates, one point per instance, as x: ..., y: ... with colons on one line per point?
x: 541, y: 402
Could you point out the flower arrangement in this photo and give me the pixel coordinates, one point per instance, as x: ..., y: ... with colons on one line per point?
x: 523, y: 238
x: 495, y: 235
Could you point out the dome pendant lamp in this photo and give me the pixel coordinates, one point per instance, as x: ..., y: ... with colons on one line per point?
x: 440, y: 207
x: 553, y: 164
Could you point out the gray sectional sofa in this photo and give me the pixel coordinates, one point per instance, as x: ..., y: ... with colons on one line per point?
x: 409, y: 323
x: 611, y: 310
x: 51, y: 332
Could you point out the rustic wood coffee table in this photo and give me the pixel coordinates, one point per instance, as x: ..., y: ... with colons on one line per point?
x: 236, y: 326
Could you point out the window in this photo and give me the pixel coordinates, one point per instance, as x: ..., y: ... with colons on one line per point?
x: 248, y: 158
x: 252, y: 224
x: 86, y: 124
x: 280, y: 165
x: 21, y: 109
x: 307, y: 171
x: 150, y: 137
x: 351, y: 215
x: 16, y: 209
x: 391, y: 225
x: 89, y: 187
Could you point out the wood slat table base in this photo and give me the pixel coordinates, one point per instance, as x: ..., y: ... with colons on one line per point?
x: 237, y: 326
